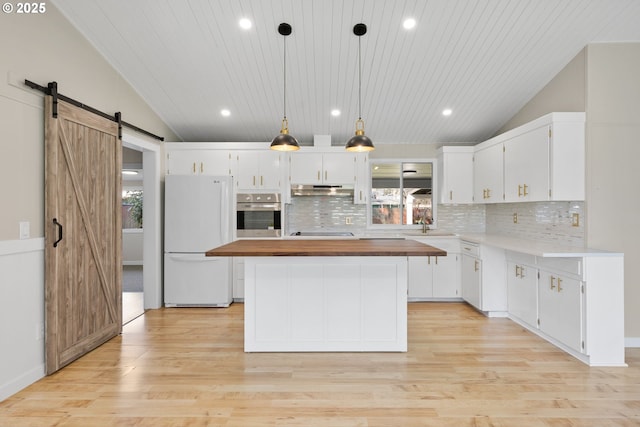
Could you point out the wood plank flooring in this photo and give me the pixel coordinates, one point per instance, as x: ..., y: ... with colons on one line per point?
x: 186, y: 367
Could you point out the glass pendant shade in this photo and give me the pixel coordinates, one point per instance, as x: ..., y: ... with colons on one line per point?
x: 284, y: 141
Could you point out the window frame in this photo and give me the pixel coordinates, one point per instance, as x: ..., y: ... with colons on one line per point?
x: 434, y: 195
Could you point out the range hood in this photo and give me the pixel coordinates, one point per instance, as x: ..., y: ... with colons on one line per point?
x: 322, y: 190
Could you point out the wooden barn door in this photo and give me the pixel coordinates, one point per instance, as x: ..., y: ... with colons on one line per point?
x: 83, y: 236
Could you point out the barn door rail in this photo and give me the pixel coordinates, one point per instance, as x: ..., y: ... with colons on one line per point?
x: 52, y: 90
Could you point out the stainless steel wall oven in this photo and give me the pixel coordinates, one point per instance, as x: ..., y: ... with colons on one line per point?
x: 258, y: 215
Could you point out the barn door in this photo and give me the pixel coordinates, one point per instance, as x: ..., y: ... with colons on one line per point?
x: 83, y: 236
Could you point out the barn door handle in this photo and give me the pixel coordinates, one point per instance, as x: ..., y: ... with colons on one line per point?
x: 55, y: 222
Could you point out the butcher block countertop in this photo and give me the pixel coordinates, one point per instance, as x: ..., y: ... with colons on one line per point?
x: 348, y: 247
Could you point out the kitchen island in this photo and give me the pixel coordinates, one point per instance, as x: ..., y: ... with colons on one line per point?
x: 325, y: 295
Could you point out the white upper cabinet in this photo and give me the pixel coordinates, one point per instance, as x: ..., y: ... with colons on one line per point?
x: 487, y: 174
x: 337, y: 168
x: 198, y: 162
x: 526, y: 166
x: 455, y: 173
x: 361, y: 190
x: 258, y: 170
x: 543, y: 160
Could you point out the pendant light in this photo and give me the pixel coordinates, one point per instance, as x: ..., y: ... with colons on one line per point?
x: 359, y: 142
x: 284, y: 141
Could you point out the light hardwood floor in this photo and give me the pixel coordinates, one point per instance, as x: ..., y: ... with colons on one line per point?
x: 186, y: 367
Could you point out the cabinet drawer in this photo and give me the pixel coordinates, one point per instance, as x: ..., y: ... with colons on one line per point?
x: 449, y: 245
x: 469, y: 248
x: 571, y: 266
x: 520, y: 258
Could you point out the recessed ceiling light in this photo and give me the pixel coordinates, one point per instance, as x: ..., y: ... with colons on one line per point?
x: 447, y: 112
x: 409, y: 23
x: 225, y: 113
x: 245, y: 23
x: 335, y: 113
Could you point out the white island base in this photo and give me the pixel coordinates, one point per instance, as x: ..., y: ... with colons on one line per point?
x: 331, y: 304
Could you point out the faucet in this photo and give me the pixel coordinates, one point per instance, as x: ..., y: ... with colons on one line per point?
x: 425, y: 227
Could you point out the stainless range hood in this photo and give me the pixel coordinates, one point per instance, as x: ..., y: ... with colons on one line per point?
x: 322, y: 190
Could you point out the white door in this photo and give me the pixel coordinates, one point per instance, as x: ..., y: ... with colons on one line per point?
x: 195, y: 279
x: 196, y: 213
x: 339, y: 168
x: 471, y: 280
x: 526, y: 166
x: 446, y: 279
x: 561, y: 309
x: 420, y: 272
x: 488, y: 175
x: 306, y: 168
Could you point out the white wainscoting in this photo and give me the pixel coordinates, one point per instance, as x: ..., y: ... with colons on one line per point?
x: 22, y: 314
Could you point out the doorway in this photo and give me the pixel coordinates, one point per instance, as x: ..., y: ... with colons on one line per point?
x: 132, y: 235
x: 151, y: 268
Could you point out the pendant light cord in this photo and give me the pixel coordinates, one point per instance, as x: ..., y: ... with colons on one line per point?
x: 284, y: 74
x: 359, y: 81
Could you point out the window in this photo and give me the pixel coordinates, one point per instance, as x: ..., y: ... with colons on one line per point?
x: 402, y: 193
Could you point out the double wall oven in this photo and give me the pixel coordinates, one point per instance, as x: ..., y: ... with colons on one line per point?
x: 258, y: 215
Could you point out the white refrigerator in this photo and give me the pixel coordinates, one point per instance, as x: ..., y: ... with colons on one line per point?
x: 197, y: 217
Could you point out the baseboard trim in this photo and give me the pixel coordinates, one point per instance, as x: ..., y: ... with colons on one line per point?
x: 15, y: 385
x: 632, y: 342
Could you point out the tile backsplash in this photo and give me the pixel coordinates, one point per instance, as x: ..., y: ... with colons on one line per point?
x: 546, y: 221
x: 326, y: 213
x: 461, y: 218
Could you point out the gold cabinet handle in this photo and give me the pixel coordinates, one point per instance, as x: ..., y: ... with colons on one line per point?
x: 428, y: 260
x: 254, y: 180
x: 521, y: 272
x: 524, y: 190
x: 201, y: 167
x: 450, y: 194
x: 194, y: 167
x: 436, y: 260
x: 475, y: 265
x: 318, y: 176
x: 519, y: 190
x: 360, y: 195
x: 325, y: 175
x: 517, y: 271
x: 553, y: 286
x: 261, y: 180
x: 559, y: 284
x: 488, y: 193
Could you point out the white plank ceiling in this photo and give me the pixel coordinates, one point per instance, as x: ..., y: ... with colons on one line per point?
x: 484, y: 59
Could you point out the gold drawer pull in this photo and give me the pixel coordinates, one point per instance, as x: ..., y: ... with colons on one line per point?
x: 553, y: 286
x: 559, y: 284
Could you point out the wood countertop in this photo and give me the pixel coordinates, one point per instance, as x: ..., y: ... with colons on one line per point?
x: 347, y: 247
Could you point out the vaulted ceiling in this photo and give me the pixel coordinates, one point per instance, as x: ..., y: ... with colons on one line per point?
x: 483, y: 59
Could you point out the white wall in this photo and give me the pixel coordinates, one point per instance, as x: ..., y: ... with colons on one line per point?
x: 22, y: 314
x: 44, y: 48
x: 613, y: 152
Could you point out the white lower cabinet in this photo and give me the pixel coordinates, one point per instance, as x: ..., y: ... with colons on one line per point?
x: 522, y: 288
x: 483, y: 273
x: 238, y: 278
x: 576, y: 303
x: 435, y: 278
x: 560, y: 308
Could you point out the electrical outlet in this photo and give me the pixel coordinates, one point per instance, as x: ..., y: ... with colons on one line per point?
x: 25, y: 231
x: 575, y: 220
x: 348, y: 220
